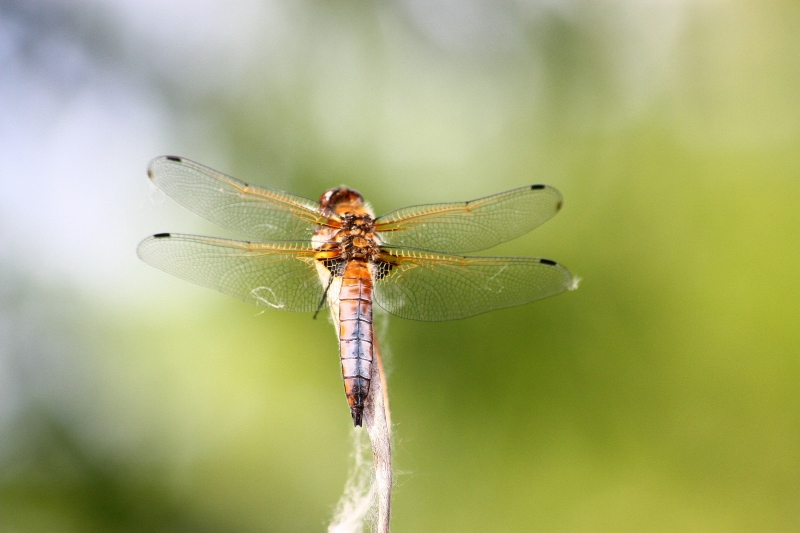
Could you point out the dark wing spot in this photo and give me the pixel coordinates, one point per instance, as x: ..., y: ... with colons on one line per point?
x: 335, y: 266
x: 174, y: 158
x: 149, y: 173
x: 160, y: 235
x: 558, y: 206
x: 535, y: 187
x: 547, y: 262
x: 382, y: 269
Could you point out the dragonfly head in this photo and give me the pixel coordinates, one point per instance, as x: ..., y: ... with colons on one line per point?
x: 342, y: 200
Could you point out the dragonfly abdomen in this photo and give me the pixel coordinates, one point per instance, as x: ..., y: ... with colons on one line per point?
x: 355, y: 335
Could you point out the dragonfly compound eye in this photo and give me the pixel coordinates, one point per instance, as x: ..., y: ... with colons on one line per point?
x: 341, y: 197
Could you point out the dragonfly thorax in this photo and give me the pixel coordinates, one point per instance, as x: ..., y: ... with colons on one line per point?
x: 356, y: 237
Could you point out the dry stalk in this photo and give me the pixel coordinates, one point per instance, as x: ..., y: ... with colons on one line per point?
x: 367, y: 488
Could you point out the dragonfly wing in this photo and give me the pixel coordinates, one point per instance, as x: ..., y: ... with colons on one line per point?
x: 255, y: 212
x: 426, y: 286
x: 470, y: 226
x: 277, y: 275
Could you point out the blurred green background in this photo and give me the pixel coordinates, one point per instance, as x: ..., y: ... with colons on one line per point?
x: 660, y: 396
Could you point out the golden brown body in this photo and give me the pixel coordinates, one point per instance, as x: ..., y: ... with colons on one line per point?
x: 351, y: 247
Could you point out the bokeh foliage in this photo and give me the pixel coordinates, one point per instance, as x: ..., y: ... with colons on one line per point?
x: 660, y: 396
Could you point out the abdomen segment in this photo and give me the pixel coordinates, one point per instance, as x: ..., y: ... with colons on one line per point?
x: 355, y: 335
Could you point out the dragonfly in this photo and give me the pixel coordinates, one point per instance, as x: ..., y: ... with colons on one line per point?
x: 307, y: 256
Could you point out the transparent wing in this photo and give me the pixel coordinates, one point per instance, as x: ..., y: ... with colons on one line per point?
x: 470, y: 226
x: 257, y: 213
x: 277, y: 275
x: 434, y: 287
